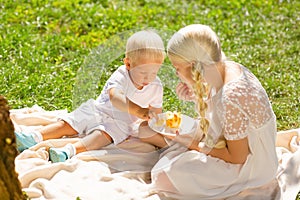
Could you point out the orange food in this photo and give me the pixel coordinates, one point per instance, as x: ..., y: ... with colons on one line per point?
x: 173, y: 119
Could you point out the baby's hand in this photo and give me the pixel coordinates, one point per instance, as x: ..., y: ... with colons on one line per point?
x: 153, y: 112
x: 148, y: 113
x: 143, y: 113
x: 184, y: 92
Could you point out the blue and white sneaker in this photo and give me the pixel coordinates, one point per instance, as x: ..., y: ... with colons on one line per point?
x: 24, y: 141
x: 58, y: 154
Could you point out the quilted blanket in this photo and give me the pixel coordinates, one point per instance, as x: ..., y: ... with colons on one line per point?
x: 123, y: 171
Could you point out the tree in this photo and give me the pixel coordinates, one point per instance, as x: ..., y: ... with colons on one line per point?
x: 10, y: 187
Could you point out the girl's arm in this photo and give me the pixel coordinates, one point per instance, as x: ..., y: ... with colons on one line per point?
x: 235, y: 152
x: 236, y: 121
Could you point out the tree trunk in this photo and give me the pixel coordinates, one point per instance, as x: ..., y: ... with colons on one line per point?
x: 10, y: 187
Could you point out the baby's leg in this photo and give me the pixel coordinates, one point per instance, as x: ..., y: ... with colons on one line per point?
x: 146, y: 134
x: 57, y: 130
x: 94, y: 141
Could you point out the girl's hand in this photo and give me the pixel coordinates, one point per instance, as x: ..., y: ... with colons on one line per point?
x: 184, y: 138
x: 184, y: 92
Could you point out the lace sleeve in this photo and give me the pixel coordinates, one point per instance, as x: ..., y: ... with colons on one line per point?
x: 245, y: 104
x: 235, y: 123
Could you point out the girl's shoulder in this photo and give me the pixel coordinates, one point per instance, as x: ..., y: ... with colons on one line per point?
x: 233, y: 72
x: 238, y: 76
x: 245, y: 89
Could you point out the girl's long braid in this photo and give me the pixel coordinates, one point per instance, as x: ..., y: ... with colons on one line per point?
x: 201, y: 93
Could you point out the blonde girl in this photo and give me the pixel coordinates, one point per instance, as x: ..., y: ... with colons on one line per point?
x: 234, y: 146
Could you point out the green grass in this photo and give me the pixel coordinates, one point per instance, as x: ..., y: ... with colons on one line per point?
x: 44, y: 43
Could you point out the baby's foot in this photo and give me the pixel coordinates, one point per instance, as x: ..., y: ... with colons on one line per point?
x: 24, y: 141
x: 58, y: 154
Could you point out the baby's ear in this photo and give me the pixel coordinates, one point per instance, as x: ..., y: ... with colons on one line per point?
x: 126, y: 63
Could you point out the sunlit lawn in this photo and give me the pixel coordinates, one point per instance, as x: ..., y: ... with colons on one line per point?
x: 44, y: 43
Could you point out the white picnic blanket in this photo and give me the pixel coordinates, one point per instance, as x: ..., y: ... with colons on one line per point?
x: 121, y: 172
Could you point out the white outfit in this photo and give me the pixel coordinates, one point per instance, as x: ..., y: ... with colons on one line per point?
x: 198, y: 176
x: 100, y: 114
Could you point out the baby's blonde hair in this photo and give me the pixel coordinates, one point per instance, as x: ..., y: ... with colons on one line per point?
x: 197, y: 44
x: 145, y: 44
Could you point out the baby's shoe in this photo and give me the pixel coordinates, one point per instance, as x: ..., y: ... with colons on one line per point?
x: 58, y: 154
x: 24, y: 141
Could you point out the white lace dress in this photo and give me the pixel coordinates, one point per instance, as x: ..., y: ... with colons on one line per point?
x: 240, y: 109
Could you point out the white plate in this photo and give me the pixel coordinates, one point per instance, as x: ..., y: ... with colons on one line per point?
x: 187, y: 126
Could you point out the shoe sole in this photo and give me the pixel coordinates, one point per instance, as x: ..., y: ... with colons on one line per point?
x: 55, y: 157
x: 22, y: 144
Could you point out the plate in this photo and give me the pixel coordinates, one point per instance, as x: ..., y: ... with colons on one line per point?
x: 187, y: 126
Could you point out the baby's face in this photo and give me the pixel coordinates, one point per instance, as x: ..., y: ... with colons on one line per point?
x: 144, y: 71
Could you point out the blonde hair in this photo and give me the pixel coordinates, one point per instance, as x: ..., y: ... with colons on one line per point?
x: 197, y: 44
x: 145, y: 44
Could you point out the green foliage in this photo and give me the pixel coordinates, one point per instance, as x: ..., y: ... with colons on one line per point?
x: 44, y: 43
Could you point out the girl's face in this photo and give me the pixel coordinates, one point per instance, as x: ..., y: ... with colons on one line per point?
x: 184, y: 71
x: 144, y: 71
x: 211, y: 75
